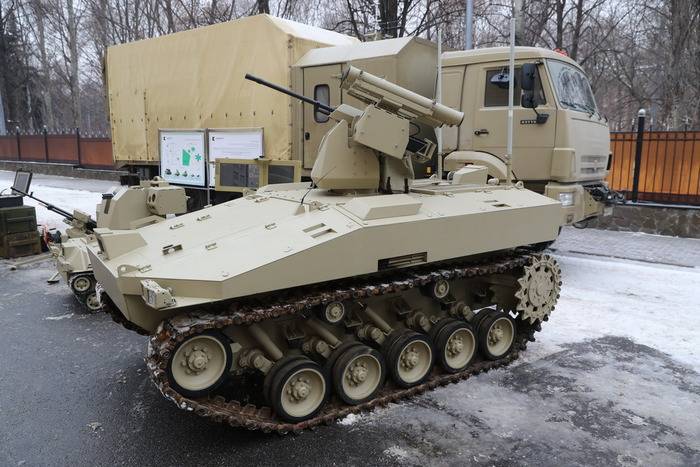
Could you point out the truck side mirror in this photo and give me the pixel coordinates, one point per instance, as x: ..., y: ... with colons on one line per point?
x: 528, y: 100
x: 529, y: 74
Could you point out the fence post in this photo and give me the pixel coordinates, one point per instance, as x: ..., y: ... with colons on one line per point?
x: 641, y: 116
x: 19, y: 145
x: 77, y: 138
x: 46, y: 144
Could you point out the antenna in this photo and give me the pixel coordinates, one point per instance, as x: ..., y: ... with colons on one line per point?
x: 313, y: 185
x: 511, y: 92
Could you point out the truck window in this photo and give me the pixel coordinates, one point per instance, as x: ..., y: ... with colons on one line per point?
x: 573, y: 90
x: 322, y: 93
x: 496, y: 96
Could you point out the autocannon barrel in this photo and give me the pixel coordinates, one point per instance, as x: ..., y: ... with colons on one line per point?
x: 320, y: 105
x: 371, y: 88
x: 91, y: 224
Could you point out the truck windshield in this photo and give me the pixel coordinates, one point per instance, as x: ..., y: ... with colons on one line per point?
x: 572, y: 87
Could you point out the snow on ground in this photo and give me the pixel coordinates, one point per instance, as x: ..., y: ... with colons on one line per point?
x: 65, y: 199
x: 63, y: 193
x: 655, y: 305
x: 611, y: 380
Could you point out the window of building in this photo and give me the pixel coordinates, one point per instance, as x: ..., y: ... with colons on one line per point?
x: 322, y: 94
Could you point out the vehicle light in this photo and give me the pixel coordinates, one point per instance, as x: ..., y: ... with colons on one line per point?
x: 566, y: 199
x: 156, y: 296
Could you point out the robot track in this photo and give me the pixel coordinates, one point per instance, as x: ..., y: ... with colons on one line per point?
x: 533, y: 286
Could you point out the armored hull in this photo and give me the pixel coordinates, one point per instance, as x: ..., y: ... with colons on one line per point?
x: 353, y: 299
x: 73, y: 265
x: 122, y: 208
x: 270, y: 241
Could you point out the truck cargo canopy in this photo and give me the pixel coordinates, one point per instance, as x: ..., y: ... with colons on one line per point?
x: 195, y: 79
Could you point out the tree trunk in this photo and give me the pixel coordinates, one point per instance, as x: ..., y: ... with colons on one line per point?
x: 264, y: 7
x: 389, y: 14
x: 578, y: 25
x: 47, y: 102
x: 73, y: 76
x: 559, y: 17
x: 3, y: 129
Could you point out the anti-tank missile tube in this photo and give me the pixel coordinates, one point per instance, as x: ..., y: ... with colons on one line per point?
x: 354, y: 77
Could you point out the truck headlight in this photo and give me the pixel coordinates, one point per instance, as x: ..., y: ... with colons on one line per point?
x: 566, y: 199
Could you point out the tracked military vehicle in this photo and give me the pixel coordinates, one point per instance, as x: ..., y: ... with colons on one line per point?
x: 122, y: 208
x: 298, y: 304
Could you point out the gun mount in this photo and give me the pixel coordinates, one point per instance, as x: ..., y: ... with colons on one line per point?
x: 78, y: 218
x: 368, y: 148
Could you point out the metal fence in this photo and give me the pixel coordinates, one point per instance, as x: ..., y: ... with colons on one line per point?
x: 70, y: 148
x: 656, y: 166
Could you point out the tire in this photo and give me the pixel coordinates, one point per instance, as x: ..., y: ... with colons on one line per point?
x: 395, y: 347
x: 200, y: 383
x: 301, y: 403
x: 92, y: 303
x: 358, y: 374
x: 267, y: 383
x: 507, y: 331
x: 82, y: 284
x: 455, y: 345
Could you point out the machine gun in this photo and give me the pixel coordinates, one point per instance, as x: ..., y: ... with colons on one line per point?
x: 365, y: 149
x: 21, y: 185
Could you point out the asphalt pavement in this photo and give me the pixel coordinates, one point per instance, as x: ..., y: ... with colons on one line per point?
x: 74, y: 391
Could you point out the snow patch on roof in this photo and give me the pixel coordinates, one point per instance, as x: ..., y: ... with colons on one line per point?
x: 312, y: 33
x: 355, y: 51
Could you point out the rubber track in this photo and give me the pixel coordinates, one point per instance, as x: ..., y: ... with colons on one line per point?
x: 173, y: 331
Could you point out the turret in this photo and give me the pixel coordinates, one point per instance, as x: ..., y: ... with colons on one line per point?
x: 373, y: 149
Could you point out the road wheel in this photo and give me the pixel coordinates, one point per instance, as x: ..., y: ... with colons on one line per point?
x: 81, y: 284
x: 409, y: 357
x: 358, y: 374
x: 93, y: 303
x: 200, y: 364
x: 496, y: 334
x: 455, y: 345
x: 297, y: 390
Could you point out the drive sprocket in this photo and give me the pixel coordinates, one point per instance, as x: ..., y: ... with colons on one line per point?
x: 539, y: 288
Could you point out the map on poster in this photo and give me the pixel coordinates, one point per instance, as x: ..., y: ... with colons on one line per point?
x: 182, y: 157
x: 236, y: 143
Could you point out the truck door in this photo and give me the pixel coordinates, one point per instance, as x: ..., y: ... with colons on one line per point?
x: 532, y: 142
x: 320, y: 83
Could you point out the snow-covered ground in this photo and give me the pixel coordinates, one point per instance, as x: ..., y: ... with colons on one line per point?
x: 611, y: 380
x: 654, y: 305
x: 67, y: 200
x: 63, y: 192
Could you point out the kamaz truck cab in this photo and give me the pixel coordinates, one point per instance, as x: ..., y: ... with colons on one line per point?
x: 561, y: 142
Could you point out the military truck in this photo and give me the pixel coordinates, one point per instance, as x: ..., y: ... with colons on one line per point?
x: 561, y: 141
x: 301, y: 303
x: 122, y: 208
x: 561, y: 145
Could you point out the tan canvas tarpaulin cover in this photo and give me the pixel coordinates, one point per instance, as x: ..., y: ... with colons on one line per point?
x: 195, y: 79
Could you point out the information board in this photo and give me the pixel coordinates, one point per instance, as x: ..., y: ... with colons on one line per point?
x: 235, y: 143
x: 183, y: 157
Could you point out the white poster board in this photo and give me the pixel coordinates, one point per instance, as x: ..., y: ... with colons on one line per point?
x: 236, y: 143
x: 182, y: 157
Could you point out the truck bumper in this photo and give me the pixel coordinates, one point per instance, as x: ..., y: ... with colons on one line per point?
x: 577, y: 202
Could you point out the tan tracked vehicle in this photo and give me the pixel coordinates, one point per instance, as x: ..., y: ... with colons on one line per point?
x: 122, y: 208
x: 298, y: 304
